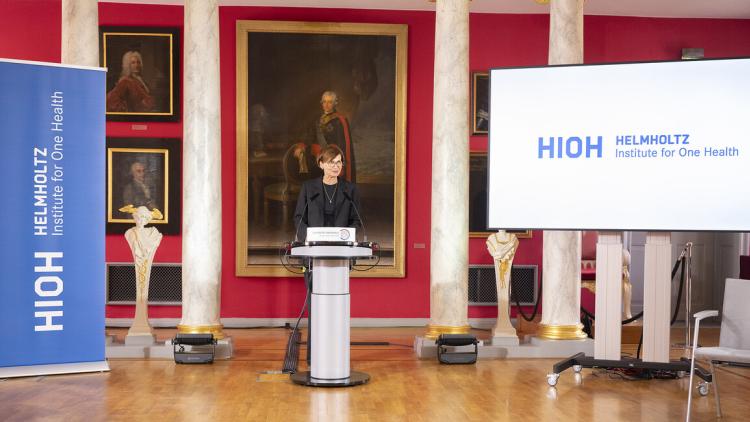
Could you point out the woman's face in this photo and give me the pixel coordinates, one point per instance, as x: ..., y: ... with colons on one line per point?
x: 332, y: 168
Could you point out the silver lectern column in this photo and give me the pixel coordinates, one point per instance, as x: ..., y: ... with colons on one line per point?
x: 329, y: 312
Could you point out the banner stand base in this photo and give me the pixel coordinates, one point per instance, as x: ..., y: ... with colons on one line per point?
x: 54, y: 369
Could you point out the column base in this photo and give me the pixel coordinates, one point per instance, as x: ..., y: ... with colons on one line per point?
x: 529, y: 347
x: 561, y: 332
x: 202, y: 329
x: 434, y: 331
x: 161, y: 350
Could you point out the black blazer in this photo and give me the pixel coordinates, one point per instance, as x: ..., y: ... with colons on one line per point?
x: 311, y: 205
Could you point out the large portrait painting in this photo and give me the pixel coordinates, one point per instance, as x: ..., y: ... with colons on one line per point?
x: 143, y: 172
x: 301, y: 86
x: 478, y: 198
x: 142, y: 73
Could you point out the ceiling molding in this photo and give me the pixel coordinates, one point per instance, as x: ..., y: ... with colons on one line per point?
x: 723, y: 9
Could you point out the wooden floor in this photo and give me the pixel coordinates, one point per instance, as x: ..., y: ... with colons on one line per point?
x: 401, y: 388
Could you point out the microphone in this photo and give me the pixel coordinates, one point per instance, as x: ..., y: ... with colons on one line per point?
x: 346, y: 194
x: 299, y: 223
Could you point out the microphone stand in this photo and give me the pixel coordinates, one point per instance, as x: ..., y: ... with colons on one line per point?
x: 364, y: 230
x: 299, y: 223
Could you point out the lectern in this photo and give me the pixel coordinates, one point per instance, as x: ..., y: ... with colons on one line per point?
x: 330, y: 263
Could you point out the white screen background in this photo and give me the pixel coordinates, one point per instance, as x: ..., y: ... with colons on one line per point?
x: 708, y: 100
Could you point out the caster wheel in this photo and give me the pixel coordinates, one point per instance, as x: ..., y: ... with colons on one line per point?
x: 577, y: 369
x: 703, y: 389
x: 552, y: 379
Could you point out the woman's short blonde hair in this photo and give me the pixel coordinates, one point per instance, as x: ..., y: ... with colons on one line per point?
x: 329, y: 153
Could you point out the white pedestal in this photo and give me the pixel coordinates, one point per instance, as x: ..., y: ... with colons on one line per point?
x: 528, y: 347
x: 159, y: 350
x: 608, y: 296
x: 140, y: 339
x: 657, y: 297
x: 504, y: 340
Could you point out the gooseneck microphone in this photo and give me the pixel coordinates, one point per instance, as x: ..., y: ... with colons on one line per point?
x: 364, y: 230
x: 299, y: 222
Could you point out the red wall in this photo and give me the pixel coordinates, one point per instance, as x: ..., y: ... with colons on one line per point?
x: 30, y: 29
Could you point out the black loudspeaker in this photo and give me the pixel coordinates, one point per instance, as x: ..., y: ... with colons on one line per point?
x: 454, y: 358
x: 201, y: 348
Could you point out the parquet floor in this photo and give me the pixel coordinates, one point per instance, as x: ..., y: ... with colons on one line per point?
x: 402, y: 388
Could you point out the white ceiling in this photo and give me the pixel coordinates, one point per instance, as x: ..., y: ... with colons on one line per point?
x: 648, y: 8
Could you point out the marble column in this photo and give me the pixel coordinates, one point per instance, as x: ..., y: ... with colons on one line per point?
x: 561, y: 267
x: 80, y: 33
x: 561, y: 284
x: 566, y: 32
x: 449, y: 259
x: 201, y: 212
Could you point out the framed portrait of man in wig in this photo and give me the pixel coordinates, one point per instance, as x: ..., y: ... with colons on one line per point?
x: 143, y: 172
x: 143, y: 82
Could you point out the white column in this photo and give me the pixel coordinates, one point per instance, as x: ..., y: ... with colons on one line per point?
x: 608, y: 296
x: 561, y: 287
x: 80, y: 33
x: 201, y: 215
x: 657, y: 296
x: 449, y: 259
x: 561, y: 267
x: 566, y: 32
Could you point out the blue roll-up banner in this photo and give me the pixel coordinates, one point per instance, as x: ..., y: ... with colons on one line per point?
x: 52, y: 230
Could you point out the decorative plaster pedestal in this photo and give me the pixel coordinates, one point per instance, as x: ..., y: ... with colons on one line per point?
x: 502, y: 246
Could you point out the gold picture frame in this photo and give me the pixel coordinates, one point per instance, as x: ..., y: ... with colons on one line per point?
x: 478, y: 198
x: 480, y: 101
x: 153, y: 93
x: 142, y: 172
x: 282, y: 70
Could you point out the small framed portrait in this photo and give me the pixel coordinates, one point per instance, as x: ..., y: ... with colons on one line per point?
x: 480, y: 103
x: 143, y: 172
x: 143, y: 79
x: 478, y: 198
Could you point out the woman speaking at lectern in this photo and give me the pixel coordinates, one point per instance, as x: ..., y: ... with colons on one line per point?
x: 328, y: 201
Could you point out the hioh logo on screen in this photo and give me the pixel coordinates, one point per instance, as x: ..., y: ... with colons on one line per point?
x: 570, y: 147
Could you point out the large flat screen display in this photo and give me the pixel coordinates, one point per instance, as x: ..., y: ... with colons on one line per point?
x: 638, y: 146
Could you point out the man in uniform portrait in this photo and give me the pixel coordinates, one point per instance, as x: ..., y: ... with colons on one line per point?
x: 333, y: 128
